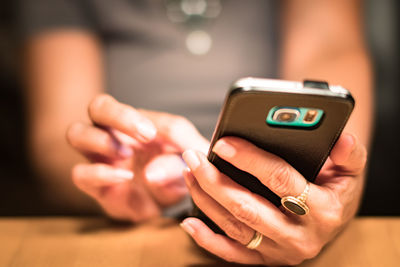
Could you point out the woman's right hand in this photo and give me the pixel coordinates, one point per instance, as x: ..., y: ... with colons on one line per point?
x: 135, y: 166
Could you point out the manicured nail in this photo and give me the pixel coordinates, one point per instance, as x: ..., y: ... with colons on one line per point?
x: 125, y: 152
x: 353, y: 142
x: 191, y: 159
x: 155, y: 174
x: 224, y: 149
x: 189, y: 178
x: 123, y: 174
x: 187, y: 227
x: 146, y: 130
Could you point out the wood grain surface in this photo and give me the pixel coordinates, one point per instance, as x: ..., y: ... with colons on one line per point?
x: 69, y: 241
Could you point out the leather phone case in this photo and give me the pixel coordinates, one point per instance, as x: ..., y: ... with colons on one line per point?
x: 306, y: 149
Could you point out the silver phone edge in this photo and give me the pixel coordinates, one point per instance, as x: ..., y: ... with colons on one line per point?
x: 276, y: 85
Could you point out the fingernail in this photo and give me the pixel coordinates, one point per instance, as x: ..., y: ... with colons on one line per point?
x: 123, y: 174
x: 191, y: 159
x: 155, y: 174
x: 187, y: 227
x: 146, y: 130
x: 125, y: 152
x: 224, y: 149
x: 189, y: 178
x: 353, y: 140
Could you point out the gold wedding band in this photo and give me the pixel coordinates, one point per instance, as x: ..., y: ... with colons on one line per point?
x: 297, y: 205
x: 255, y: 241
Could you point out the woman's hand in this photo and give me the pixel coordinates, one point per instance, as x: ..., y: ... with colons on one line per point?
x: 136, y: 167
x: 287, y: 238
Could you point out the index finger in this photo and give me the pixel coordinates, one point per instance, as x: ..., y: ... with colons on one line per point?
x: 274, y: 172
x: 249, y: 208
x: 106, y: 111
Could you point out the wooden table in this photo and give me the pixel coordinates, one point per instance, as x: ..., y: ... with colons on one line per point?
x: 69, y: 241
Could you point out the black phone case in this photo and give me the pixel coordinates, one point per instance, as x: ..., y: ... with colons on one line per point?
x: 306, y: 149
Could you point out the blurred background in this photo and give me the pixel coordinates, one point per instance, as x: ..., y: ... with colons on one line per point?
x: 19, y: 192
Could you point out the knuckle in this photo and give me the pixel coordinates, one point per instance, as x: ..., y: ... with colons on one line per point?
x: 105, y: 144
x: 309, y: 251
x: 280, y: 179
x: 305, y: 248
x: 77, y: 174
x: 294, y: 261
x: 333, y: 218
x: 73, y: 131
x: 288, y: 236
x: 234, y: 229
x: 76, y: 170
x: 313, y: 251
x: 98, y: 103
x: 245, y: 212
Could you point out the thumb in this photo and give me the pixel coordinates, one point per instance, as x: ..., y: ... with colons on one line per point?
x: 349, y: 154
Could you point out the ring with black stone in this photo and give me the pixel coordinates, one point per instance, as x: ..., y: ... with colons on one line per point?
x: 297, y: 205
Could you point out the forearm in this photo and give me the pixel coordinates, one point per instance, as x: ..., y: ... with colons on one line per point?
x: 352, y: 69
x: 323, y: 40
x: 63, y: 72
x: 53, y: 164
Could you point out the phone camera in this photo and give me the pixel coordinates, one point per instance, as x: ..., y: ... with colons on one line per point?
x: 286, y: 115
x: 298, y: 117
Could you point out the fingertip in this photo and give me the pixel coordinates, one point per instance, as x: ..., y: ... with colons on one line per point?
x: 78, y: 175
x: 224, y: 148
x: 155, y: 175
x: 188, y: 226
x: 146, y: 130
x: 188, y: 176
x: 191, y: 158
x: 351, y: 140
x: 343, y: 148
x: 164, y: 170
x: 186, y: 171
x: 77, y: 170
x: 124, y: 174
x: 195, y: 227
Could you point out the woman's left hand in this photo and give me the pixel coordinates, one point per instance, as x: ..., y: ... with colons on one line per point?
x: 287, y: 238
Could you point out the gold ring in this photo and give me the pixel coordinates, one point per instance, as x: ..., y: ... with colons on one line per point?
x: 297, y: 205
x: 255, y: 241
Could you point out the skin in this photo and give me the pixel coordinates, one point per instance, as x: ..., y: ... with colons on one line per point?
x: 336, y: 54
x: 288, y: 239
x: 131, y: 162
x: 53, y: 82
x: 135, y: 168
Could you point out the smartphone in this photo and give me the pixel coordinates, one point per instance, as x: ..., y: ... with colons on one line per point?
x: 297, y: 121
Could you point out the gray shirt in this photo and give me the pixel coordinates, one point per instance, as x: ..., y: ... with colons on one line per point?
x: 147, y: 62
